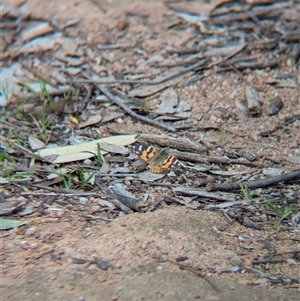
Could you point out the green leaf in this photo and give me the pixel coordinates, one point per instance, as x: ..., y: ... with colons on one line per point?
x: 6, y: 224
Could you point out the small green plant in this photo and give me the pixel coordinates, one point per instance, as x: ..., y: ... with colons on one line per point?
x: 20, y: 108
x: 82, y: 177
x: 246, y: 192
x: 13, y: 134
x: 6, y: 151
x: 282, y: 212
x: 97, y: 156
x: 44, y: 92
x: 43, y: 123
x: 68, y: 93
x: 8, y: 172
x: 66, y: 178
x: 4, y: 90
x: 30, y: 89
x: 4, y: 154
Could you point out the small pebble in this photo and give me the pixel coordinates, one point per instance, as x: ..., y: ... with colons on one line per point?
x: 291, y: 262
x: 82, y: 200
x: 156, y: 254
x: 34, y: 245
x: 241, y: 238
x: 120, y: 120
x: 101, y: 263
x: 23, y: 244
x: 181, y: 258
x: 30, y: 231
x: 159, y: 268
x: 236, y: 269
x: 58, y: 233
x: 88, y: 162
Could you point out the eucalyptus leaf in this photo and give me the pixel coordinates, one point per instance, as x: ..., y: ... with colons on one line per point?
x: 6, y: 224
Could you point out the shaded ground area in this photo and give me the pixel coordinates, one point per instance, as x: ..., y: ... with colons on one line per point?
x: 218, y: 84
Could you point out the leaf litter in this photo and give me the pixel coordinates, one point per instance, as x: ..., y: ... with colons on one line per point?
x: 212, y: 77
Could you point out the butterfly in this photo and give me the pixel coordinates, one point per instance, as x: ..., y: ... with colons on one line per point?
x: 157, y: 160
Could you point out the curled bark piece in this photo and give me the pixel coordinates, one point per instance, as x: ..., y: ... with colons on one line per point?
x: 254, y: 106
x: 275, y: 106
x: 125, y: 197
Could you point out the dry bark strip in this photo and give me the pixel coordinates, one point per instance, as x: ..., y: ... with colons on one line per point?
x: 177, y: 143
x: 224, y: 197
x: 227, y: 204
x: 111, y: 197
x: 293, y: 175
x: 192, y: 157
x: 126, y: 198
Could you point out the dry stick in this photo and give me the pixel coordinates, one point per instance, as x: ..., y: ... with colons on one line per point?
x: 34, y: 258
x: 268, y: 260
x: 241, y: 76
x: 118, y: 102
x: 25, y: 150
x: 111, y: 197
x: 286, y: 122
x: 205, y: 277
x: 145, y: 82
x: 192, y: 157
x: 272, y: 279
x: 284, y: 253
x: 177, y: 143
x: 293, y: 175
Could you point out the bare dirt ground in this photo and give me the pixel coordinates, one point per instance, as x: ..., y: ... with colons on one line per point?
x: 183, y: 246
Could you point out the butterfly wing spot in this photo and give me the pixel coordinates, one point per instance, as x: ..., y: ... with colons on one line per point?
x: 155, y: 169
x: 149, y: 154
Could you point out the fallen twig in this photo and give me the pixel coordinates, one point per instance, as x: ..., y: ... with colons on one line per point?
x: 272, y: 279
x: 25, y: 150
x: 194, y: 271
x: 293, y: 175
x: 177, y: 143
x: 203, y: 193
x: 267, y: 260
x: 111, y: 197
x: 192, y: 157
x: 286, y: 122
x: 34, y: 258
x: 118, y: 102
